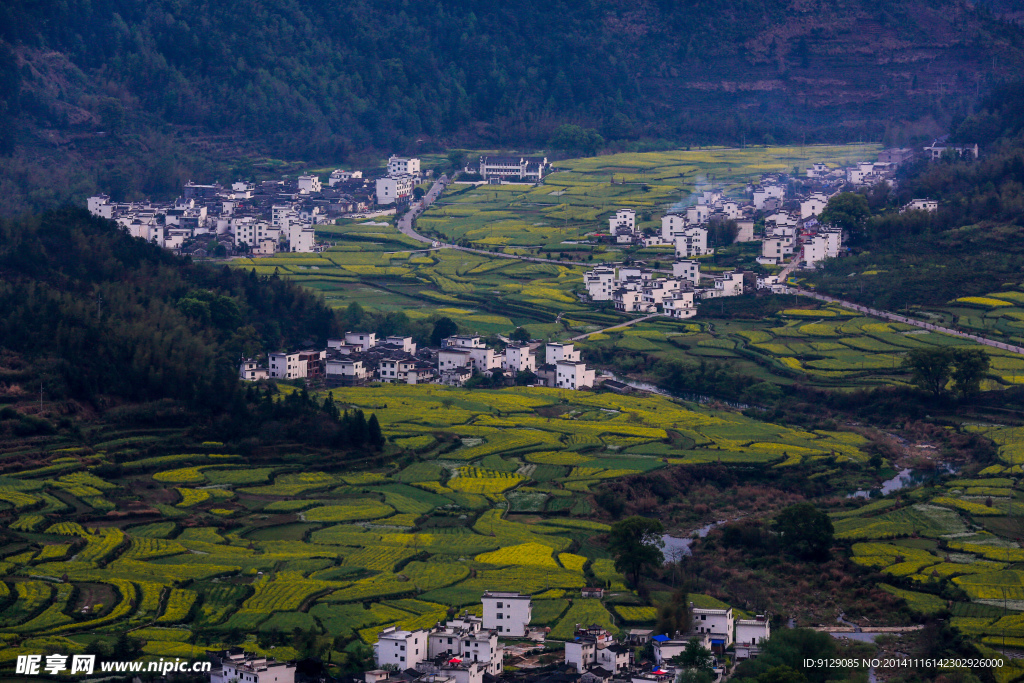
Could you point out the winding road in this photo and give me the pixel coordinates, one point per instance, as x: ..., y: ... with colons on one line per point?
x: 405, y: 224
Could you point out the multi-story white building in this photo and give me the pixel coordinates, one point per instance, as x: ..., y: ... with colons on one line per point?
x: 691, y: 242
x: 777, y: 247
x: 687, y: 270
x: 465, y: 638
x: 762, y: 194
x: 250, y: 370
x: 813, y: 205
x: 751, y: 634
x: 519, y: 168
x: 627, y: 299
x: 286, y: 365
x: 600, y: 283
x: 451, y: 358
x: 364, y: 340
x: 680, y: 305
x: 507, y: 613
x: 346, y: 370
x: 672, y: 223
x: 402, y: 166
x: 309, y: 184
x: 483, y: 359
x: 718, y: 623
x: 655, y: 291
x: 573, y: 375
x: 405, y: 343
x: 397, y: 370
x: 404, y: 649
x: 698, y: 214
x: 624, y: 220
x: 395, y: 188
x: 729, y: 283
x: 520, y: 358
x: 556, y: 352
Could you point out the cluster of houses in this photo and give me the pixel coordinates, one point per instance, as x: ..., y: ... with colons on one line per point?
x: 635, y: 289
x: 467, y: 649
x: 359, y: 358
x: 791, y: 228
x: 259, y: 218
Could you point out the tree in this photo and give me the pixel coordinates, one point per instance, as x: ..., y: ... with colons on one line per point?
x: 930, y: 368
x: 805, y: 530
x: 457, y: 159
x: 417, y: 193
x: 574, y: 139
x: 847, y: 210
x: 695, y: 656
x: 376, y: 436
x: 782, y: 674
x: 636, y: 544
x: 443, y: 328
x: 520, y: 335
x: 694, y: 676
x: 969, y: 367
x: 674, y: 616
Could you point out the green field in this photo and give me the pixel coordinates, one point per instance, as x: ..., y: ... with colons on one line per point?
x: 348, y: 552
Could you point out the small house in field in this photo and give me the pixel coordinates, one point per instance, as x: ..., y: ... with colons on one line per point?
x: 592, y: 592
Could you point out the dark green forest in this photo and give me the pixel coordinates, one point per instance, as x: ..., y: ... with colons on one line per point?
x: 139, y: 97
x: 97, y: 320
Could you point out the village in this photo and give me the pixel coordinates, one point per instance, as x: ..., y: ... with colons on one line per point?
x: 359, y: 358
x: 467, y: 649
x: 281, y: 216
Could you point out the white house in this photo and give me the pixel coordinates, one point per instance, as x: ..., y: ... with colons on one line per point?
x: 464, y: 638
x: 520, y: 168
x: 671, y: 223
x: 403, y: 166
x: 507, y: 613
x: 463, y: 341
x: 921, y: 205
x: 691, y: 242
x: 397, y: 370
x: 751, y: 635
x: 556, y: 352
x: 729, y: 283
x: 404, y: 649
x: 777, y: 247
x: 745, y: 231
x: 393, y: 189
x: 813, y: 205
x: 341, y: 176
x: 600, y: 283
x: 405, y: 343
x: 687, y: 270
x: 519, y: 358
x: 451, y: 358
x: 573, y: 375
x: 345, y: 370
x: 698, y: 214
x: 237, y: 666
x: 624, y: 220
x: 364, y: 340
x: 302, y: 241
x: 762, y: 194
x: 581, y: 653
x: 286, y: 365
x: 655, y: 291
x: 309, y: 184
x: 483, y: 359
x: 250, y: 370
x: 717, y: 623
x: 627, y: 299
x: 680, y: 305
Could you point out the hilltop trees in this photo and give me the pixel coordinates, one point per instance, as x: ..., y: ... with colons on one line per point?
x: 932, y: 369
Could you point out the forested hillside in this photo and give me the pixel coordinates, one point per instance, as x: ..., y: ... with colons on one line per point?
x: 98, y: 321
x: 170, y: 89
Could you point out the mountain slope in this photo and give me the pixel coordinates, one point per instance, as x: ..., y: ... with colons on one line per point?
x: 179, y: 81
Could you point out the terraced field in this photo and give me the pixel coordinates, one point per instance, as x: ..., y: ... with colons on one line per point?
x: 210, y: 549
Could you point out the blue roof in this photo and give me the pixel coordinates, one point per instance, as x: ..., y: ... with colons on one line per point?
x: 661, y: 639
